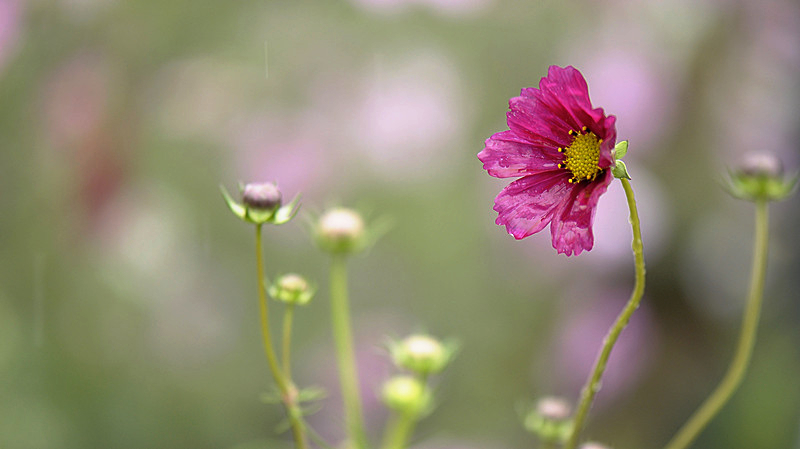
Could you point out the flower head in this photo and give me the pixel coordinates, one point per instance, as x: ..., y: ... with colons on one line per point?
x: 561, y: 149
x: 761, y: 178
x: 291, y: 289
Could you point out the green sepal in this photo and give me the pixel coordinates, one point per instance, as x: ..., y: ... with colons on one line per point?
x: 260, y: 216
x: 620, y: 150
x: 238, y: 209
x: 620, y: 170
x: 760, y: 187
x: 286, y: 212
x: 271, y: 397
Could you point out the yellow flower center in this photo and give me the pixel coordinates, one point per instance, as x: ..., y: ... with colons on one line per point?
x: 582, y: 156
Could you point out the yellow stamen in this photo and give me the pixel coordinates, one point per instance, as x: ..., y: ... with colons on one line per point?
x: 582, y: 156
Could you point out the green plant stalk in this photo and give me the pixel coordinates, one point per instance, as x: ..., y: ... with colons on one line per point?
x: 288, y: 317
x: 287, y: 389
x: 343, y: 339
x: 399, y: 430
x: 747, y: 337
x: 593, y: 383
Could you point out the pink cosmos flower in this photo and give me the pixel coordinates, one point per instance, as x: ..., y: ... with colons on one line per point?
x: 561, y: 148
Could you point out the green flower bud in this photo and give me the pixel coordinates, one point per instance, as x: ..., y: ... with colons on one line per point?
x: 760, y: 177
x: 291, y: 289
x: 421, y: 354
x: 550, y: 420
x: 261, y: 203
x: 407, y: 395
x: 341, y: 230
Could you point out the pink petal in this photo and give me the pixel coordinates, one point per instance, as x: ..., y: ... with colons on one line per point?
x: 507, y: 155
x: 571, y: 228
x: 528, y: 204
x: 535, y: 120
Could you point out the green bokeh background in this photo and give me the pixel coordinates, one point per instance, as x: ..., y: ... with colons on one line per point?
x: 128, y: 314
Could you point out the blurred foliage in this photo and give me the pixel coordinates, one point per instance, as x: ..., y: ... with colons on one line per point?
x: 128, y: 313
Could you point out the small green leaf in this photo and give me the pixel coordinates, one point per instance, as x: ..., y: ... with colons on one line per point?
x: 620, y: 150
x: 311, y: 394
x: 238, y: 209
x: 620, y: 170
x: 272, y: 397
x: 283, y: 426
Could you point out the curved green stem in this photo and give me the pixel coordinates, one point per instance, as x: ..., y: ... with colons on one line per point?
x: 399, y: 430
x: 593, y: 383
x: 288, y: 316
x: 747, y: 339
x: 343, y: 339
x: 287, y: 389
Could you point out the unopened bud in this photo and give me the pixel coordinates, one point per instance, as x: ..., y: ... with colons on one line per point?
x: 760, y: 177
x: 261, y: 203
x: 291, y: 289
x: 406, y: 394
x: 341, y: 231
x: 421, y: 354
x: 261, y: 196
x: 550, y: 420
x: 761, y: 164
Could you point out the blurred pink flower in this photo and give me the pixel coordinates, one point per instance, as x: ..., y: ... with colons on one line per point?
x: 10, y: 18
x: 578, y: 342
x: 410, y: 110
x: 281, y: 151
x: 76, y: 100
x: 79, y: 128
x: 447, y: 7
x: 636, y: 89
x: 562, y: 149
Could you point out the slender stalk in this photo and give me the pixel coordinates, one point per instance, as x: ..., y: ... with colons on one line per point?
x: 343, y: 339
x: 593, y: 383
x: 399, y: 430
x: 288, y: 317
x: 287, y: 389
x: 747, y: 338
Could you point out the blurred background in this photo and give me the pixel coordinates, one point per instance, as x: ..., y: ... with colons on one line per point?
x: 128, y: 313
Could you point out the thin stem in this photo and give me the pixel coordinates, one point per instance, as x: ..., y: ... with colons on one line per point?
x: 593, y: 383
x: 343, y: 339
x: 287, y: 389
x: 399, y: 430
x: 747, y: 338
x: 264, y: 307
x: 288, y: 316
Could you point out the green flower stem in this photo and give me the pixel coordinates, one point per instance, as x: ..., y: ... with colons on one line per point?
x: 593, y: 383
x: 747, y: 338
x: 288, y: 316
x: 287, y: 389
x: 343, y: 338
x: 400, y: 427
